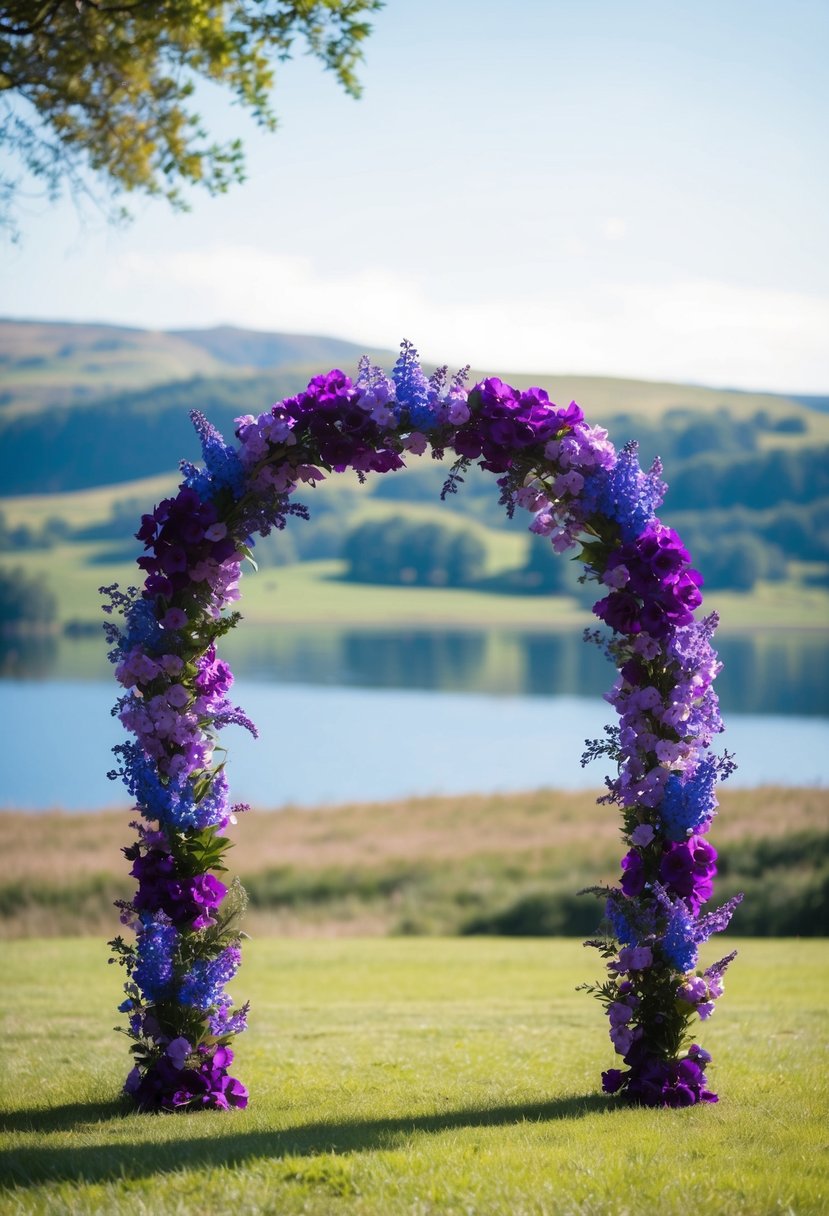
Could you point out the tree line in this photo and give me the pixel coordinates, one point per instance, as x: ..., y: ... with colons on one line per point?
x: 25, y: 602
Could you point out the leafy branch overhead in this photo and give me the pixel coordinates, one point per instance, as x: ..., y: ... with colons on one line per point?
x: 110, y: 84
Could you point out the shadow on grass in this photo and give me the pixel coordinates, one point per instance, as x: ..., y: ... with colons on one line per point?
x: 64, y: 1118
x: 108, y: 1162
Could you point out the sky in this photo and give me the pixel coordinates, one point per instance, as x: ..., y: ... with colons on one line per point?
x: 574, y: 186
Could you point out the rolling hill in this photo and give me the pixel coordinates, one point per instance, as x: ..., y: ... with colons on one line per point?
x: 94, y: 420
x: 95, y: 405
x: 55, y: 364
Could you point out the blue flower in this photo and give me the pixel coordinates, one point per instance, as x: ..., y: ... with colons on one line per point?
x: 621, y: 925
x: 172, y: 803
x: 202, y: 986
x: 154, y: 972
x: 412, y: 387
x: 624, y: 493
x: 142, y: 628
x: 689, y: 804
x: 223, y: 467
x: 679, y: 945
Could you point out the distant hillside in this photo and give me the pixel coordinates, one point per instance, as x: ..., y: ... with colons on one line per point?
x: 48, y: 364
x: 814, y: 403
x: 91, y: 412
x: 250, y: 349
x: 44, y: 364
x: 94, y: 405
x: 129, y: 435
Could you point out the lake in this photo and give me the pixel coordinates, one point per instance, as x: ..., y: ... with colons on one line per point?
x: 364, y: 716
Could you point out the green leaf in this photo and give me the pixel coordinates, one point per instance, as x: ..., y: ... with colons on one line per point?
x: 247, y: 553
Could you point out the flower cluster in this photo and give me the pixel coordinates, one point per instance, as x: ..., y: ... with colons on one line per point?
x: 580, y: 493
x: 659, y: 1082
x: 185, y: 899
x: 654, y: 589
x: 186, y: 1078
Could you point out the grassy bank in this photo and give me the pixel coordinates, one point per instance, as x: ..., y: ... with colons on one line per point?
x: 314, y: 593
x: 413, y: 1077
x: 504, y: 864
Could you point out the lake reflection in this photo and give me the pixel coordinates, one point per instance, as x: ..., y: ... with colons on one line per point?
x: 29, y: 658
x: 763, y: 673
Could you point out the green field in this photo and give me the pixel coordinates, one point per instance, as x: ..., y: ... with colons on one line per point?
x: 315, y: 593
x: 419, y: 1077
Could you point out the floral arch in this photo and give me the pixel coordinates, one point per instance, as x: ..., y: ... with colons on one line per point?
x: 583, y: 495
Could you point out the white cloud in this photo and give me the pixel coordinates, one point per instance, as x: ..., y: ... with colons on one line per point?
x: 613, y: 228
x: 692, y: 330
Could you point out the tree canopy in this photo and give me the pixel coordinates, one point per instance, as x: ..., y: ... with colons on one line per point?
x: 109, y: 84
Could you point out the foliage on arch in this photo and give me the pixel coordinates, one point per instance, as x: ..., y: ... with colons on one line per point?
x: 581, y: 494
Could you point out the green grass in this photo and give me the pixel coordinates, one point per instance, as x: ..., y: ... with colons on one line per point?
x: 304, y: 593
x: 415, y: 1077
x: 316, y: 593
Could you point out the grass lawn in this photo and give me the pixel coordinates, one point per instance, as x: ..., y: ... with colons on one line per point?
x: 415, y: 1076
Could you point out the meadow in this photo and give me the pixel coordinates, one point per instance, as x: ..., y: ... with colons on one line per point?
x: 476, y: 864
x: 415, y: 1076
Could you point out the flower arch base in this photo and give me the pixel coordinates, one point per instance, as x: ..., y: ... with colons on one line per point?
x: 580, y: 493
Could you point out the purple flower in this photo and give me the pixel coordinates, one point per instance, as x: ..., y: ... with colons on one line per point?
x: 619, y: 1013
x: 167, y: 1085
x: 174, y: 618
x: 622, y: 1038
x: 693, y: 991
x: 634, y: 958
x: 633, y: 879
x: 612, y: 1080
x: 178, y: 1051
x: 718, y: 920
x: 133, y: 1081
x: 688, y: 869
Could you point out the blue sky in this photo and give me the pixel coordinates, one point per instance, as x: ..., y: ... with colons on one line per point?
x: 618, y: 188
